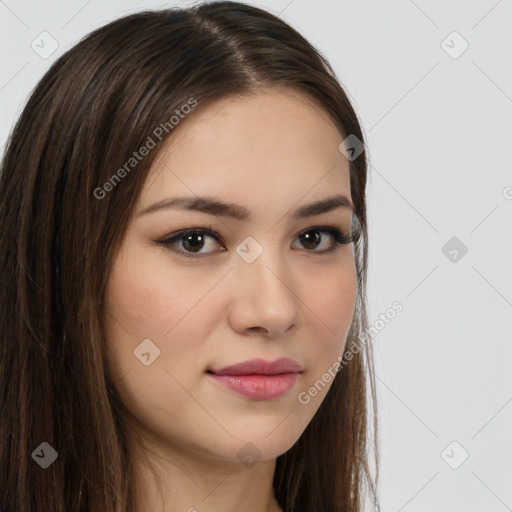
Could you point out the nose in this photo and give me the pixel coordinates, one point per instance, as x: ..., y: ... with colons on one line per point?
x: 265, y: 299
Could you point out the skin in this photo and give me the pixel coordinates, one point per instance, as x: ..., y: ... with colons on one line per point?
x: 271, y: 152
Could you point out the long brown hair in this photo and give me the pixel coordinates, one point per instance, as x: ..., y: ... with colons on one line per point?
x: 96, y: 105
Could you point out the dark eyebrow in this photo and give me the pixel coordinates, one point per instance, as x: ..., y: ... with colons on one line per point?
x: 213, y: 206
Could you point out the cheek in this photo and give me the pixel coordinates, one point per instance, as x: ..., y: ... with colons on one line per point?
x: 331, y: 306
x: 147, y: 299
x: 331, y: 299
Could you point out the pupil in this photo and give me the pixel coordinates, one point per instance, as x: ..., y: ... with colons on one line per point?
x: 192, y: 246
x: 311, y: 239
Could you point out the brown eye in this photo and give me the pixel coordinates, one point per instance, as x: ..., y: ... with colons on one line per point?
x: 192, y: 242
x: 313, y: 238
x: 310, y: 239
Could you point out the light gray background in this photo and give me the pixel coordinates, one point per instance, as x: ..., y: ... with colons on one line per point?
x: 439, y: 138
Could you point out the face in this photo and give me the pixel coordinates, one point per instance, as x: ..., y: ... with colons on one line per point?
x: 263, y: 284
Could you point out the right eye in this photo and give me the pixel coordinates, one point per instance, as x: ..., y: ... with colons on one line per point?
x: 191, y: 240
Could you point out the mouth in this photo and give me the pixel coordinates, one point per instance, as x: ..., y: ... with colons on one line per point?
x: 259, y: 379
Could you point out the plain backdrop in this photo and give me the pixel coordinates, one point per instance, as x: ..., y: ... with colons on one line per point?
x: 432, y: 84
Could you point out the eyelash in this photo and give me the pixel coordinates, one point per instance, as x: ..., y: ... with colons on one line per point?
x: 339, y: 239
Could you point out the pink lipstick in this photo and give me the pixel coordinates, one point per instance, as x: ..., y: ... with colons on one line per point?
x: 259, y: 379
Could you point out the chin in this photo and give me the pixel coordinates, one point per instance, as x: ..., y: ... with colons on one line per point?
x: 262, y: 440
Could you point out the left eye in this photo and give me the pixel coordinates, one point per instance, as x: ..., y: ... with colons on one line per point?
x: 193, y: 240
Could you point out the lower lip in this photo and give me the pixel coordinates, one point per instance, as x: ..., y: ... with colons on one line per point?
x: 258, y: 387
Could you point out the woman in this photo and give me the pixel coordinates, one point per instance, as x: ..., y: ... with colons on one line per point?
x: 184, y: 256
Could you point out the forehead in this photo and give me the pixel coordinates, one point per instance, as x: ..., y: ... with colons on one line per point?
x: 273, y: 145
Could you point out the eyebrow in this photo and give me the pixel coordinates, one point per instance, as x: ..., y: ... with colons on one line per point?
x: 213, y: 206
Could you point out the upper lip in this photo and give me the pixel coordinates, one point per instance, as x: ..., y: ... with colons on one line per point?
x: 261, y: 367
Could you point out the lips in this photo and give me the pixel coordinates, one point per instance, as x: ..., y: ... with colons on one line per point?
x: 261, y: 367
x: 259, y: 379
